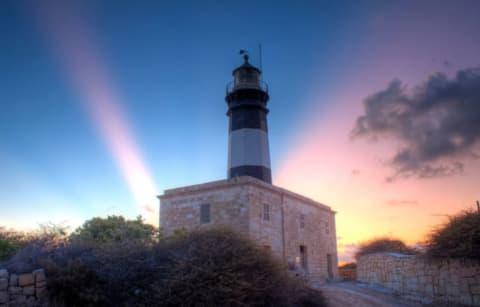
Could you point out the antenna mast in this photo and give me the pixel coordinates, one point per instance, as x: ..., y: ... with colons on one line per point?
x: 260, y: 59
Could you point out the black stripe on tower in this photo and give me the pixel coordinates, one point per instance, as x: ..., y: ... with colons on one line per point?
x: 256, y: 171
x: 248, y: 117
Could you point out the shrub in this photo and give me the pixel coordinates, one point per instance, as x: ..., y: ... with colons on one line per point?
x: 379, y: 245
x: 459, y: 237
x: 348, y: 266
x: 214, y: 267
x: 24, y: 249
x: 222, y: 268
x: 10, y: 242
x: 114, y: 228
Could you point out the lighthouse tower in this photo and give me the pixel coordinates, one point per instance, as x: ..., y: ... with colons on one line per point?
x: 247, y: 97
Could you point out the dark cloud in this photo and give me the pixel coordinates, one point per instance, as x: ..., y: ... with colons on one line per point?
x: 437, y: 123
x: 402, y: 203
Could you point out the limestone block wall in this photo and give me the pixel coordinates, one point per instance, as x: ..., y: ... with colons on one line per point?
x: 22, y: 289
x: 316, y: 232
x: 181, y: 207
x: 418, y: 278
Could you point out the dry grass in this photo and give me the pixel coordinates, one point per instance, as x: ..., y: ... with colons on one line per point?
x: 379, y: 245
x: 459, y: 237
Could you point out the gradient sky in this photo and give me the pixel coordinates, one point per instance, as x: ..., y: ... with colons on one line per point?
x: 104, y: 104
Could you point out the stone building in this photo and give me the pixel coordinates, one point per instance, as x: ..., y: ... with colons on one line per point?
x: 298, y: 230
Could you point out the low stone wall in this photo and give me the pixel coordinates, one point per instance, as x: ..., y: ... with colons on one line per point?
x: 22, y: 289
x: 347, y: 274
x: 421, y: 279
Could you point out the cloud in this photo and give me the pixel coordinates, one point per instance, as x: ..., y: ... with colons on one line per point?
x: 437, y: 123
x: 355, y: 172
x: 402, y: 203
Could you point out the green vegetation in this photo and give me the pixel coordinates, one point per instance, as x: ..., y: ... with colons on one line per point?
x: 114, y: 228
x: 10, y: 242
x: 459, y: 237
x: 8, y: 246
x: 116, y: 262
x: 379, y: 245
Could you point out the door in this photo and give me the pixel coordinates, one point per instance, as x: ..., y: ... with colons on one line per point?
x: 330, y: 266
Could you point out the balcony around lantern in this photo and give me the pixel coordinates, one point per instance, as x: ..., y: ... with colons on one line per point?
x: 236, y: 85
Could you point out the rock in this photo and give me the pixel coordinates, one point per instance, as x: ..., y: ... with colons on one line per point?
x: 13, y: 280
x: 3, y: 284
x: 40, y: 284
x: 3, y: 297
x: 25, y: 279
x: 39, y: 275
x: 30, y: 301
x: 3, y: 273
x: 475, y: 289
x: 41, y: 292
x: 20, y: 300
x: 15, y: 290
x: 29, y: 290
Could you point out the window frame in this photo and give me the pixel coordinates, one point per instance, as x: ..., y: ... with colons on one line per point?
x: 266, y: 212
x: 205, y: 213
x: 302, y: 221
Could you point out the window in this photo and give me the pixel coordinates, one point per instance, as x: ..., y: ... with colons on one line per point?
x: 205, y: 213
x: 303, y: 257
x: 266, y: 212
x: 327, y: 228
x: 302, y: 221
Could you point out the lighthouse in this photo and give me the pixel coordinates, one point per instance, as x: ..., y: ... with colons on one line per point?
x: 248, y: 150
x: 287, y: 224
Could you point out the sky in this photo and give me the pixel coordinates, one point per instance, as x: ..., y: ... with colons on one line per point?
x: 374, y: 107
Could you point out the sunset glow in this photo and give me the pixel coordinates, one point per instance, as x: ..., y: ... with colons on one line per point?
x: 74, y: 45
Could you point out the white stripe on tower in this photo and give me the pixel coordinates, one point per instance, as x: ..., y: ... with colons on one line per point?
x: 248, y: 147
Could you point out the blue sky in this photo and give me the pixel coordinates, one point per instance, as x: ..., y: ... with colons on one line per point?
x: 169, y: 62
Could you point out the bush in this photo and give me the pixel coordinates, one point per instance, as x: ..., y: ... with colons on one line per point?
x: 459, y: 237
x: 380, y: 245
x: 10, y: 242
x: 22, y: 250
x: 348, y: 266
x: 221, y: 268
x: 215, y: 267
x: 114, y: 228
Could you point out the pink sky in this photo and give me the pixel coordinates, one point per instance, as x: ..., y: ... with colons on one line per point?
x: 349, y: 175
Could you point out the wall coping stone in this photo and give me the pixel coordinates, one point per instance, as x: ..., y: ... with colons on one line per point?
x: 235, y: 182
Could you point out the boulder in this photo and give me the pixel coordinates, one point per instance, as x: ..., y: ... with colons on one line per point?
x: 25, y: 280
x: 13, y: 280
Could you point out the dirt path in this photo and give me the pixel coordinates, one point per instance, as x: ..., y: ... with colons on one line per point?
x: 348, y: 294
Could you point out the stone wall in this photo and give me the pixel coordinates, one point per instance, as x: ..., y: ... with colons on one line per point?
x: 180, y: 208
x: 22, y: 289
x: 284, y: 232
x: 421, y: 279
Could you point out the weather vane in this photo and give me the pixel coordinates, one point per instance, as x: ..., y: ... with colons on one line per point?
x: 245, y: 54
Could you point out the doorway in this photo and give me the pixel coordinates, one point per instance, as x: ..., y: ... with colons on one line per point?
x: 330, y: 266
